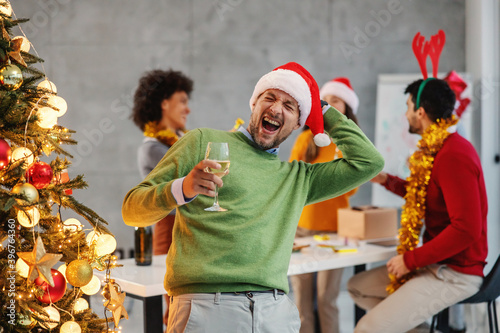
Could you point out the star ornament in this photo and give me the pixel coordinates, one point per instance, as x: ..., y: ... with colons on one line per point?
x: 115, y: 305
x: 40, y: 262
x: 16, y: 53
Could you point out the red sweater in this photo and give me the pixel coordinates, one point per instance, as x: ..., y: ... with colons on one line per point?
x: 455, y: 218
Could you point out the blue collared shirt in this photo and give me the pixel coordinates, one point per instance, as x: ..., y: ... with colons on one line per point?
x: 244, y: 131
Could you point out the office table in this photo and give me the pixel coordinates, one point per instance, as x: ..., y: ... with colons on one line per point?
x: 146, y: 282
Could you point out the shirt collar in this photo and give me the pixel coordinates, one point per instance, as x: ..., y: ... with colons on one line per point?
x: 244, y: 131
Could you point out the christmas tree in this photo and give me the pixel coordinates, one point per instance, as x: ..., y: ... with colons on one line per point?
x: 34, y: 197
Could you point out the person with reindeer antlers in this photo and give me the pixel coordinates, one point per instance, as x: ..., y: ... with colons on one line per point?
x: 445, y: 192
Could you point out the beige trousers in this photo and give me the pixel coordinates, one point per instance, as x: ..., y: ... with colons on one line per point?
x: 246, y: 312
x: 435, y: 288
x: 327, y: 292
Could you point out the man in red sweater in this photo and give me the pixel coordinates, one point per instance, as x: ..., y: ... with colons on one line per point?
x: 446, y: 187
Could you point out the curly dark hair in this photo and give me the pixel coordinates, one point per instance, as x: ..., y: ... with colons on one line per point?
x: 154, y: 87
x: 437, y: 98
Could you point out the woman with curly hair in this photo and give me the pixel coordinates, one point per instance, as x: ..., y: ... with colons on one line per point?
x: 160, y: 111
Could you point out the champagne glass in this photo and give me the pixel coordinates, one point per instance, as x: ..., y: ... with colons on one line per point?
x: 218, y: 152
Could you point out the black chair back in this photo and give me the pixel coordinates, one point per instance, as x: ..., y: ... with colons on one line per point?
x: 490, y: 289
x: 488, y: 293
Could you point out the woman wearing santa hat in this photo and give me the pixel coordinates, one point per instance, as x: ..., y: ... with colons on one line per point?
x: 322, y: 217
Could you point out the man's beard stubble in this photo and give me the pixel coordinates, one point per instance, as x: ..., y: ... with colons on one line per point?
x: 254, y: 129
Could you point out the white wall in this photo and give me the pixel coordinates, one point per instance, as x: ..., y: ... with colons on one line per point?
x: 95, y: 51
x: 482, y: 61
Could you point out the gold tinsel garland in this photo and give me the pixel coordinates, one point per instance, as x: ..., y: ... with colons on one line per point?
x: 165, y: 136
x: 168, y: 137
x: 421, y: 163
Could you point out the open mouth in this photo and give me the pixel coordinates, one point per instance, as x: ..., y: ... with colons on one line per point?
x: 270, y: 125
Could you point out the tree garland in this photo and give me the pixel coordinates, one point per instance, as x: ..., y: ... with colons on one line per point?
x: 168, y: 137
x: 165, y: 136
x: 421, y: 163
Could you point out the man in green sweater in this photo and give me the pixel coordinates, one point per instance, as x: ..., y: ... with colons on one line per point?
x: 227, y: 271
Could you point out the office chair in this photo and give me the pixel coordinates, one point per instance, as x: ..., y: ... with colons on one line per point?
x: 488, y: 293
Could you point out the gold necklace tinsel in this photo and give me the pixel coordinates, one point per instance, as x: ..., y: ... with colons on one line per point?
x: 412, y: 216
x: 165, y: 136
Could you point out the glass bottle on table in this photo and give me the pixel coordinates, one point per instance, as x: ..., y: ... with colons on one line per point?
x: 143, y: 241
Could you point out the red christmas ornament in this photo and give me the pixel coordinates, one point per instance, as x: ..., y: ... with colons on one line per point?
x: 5, y: 153
x: 62, y: 178
x: 39, y: 174
x: 55, y: 293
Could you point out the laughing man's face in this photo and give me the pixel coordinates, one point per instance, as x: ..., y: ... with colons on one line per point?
x: 274, y: 116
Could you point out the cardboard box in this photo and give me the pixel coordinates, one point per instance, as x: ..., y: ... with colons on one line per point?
x: 367, y: 222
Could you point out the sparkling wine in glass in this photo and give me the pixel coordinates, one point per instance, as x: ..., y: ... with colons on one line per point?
x: 218, y: 152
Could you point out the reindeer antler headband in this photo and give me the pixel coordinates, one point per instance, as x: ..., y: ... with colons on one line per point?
x: 422, y: 49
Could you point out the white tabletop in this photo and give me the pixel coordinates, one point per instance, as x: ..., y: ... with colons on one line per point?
x: 315, y: 258
x: 147, y: 281
x: 144, y: 281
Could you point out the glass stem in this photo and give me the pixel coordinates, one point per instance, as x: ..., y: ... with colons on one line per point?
x: 216, y: 198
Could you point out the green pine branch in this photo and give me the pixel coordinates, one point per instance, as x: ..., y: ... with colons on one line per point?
x: 95, y: 220
x: 19, y: 127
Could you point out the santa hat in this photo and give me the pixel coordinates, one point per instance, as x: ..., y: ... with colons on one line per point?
x: 341, y: 88
x: 296, y: 81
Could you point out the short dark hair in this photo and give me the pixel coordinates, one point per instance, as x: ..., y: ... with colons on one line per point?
x: 154, y: 87
x: 437, y: 98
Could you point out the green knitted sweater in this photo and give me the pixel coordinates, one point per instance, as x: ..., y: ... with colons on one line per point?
x: 249, y: 246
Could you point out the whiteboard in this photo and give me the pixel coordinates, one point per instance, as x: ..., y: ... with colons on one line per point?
x: 392, y: 138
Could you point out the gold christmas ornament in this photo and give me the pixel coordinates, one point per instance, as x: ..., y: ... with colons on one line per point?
x: 80, y: 305
x: 115, y: 305
x: 40, y: 262
x: 28, y: 218
x: 11, y: 77
x: 48, y: 85
x: 92, y: 287
x: 23, y: 153
x: 70, y: 327
x: 59, y: 103
x: 52, y: 317
x: 47, y: 117
x: 412, y: 216
x: 22, y: 268
x: 105, y: 244
x: 79, y: 273
x: 72, y: 225
x: 92, y: 237
x: 62, y: 269
x: 6, y: 9
x: 29, y: 191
